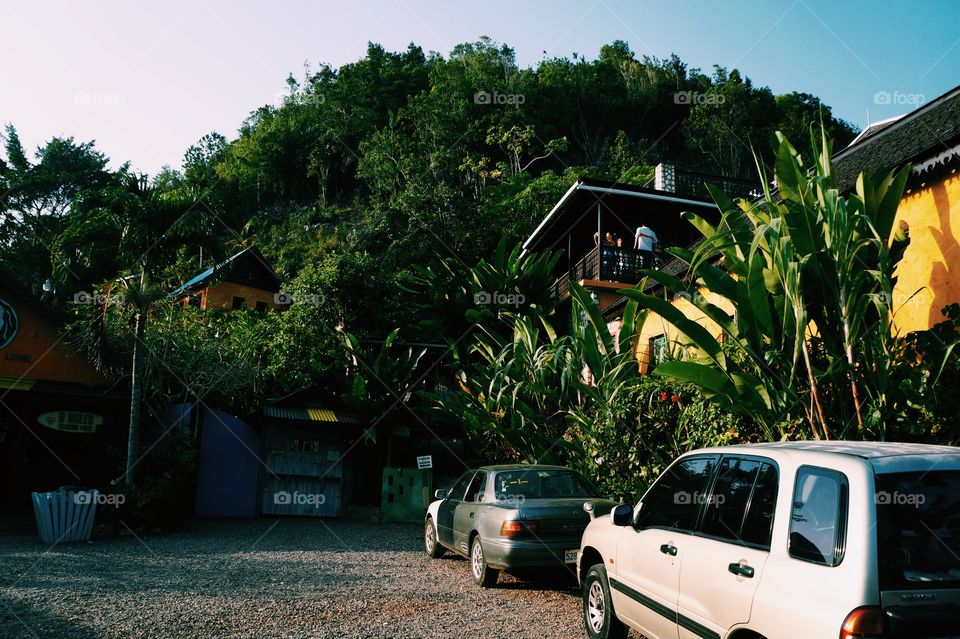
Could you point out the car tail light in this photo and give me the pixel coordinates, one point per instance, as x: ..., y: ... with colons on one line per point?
x: 863, y: 623
x: 515, y: 528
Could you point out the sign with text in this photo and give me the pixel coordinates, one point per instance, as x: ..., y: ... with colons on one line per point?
x: 425, y: 462
x: 71, y: 421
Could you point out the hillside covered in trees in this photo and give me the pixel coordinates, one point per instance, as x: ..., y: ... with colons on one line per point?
x: 362, y: 172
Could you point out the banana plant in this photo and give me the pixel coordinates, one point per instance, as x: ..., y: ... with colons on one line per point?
x: 809, y: 273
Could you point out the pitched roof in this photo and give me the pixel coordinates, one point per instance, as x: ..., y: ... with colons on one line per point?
x: 928, y: 130
x: 249, y: 255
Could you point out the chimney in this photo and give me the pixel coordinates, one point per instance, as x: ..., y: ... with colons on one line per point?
x: 665, y: 177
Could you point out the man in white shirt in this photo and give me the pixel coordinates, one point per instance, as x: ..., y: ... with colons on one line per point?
x: 644, y: 239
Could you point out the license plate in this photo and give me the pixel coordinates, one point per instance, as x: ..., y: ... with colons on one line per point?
x: 570, y: 556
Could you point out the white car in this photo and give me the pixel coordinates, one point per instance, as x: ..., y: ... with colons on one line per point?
x: 789, y: 540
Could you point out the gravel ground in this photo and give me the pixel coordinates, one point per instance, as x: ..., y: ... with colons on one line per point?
x: 268, y: 578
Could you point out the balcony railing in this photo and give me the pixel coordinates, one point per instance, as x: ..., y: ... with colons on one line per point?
x: 608, y: 264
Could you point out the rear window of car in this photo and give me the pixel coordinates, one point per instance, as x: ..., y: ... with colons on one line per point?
x: 540, y: 484
x: 918, y: 530
x: 818, y: 519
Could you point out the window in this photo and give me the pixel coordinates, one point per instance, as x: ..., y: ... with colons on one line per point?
x: 542, y: 483
x: 675, y: 500
x: 918, y: 529
x: 261, y: 307
x: 460, y: 488
x: 477, y: 487
x: 238, y: 303
x: 659, y: 351
x: 740, y: 507
x: 819, y: 516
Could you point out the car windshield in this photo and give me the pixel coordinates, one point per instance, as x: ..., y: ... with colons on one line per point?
x: 539, y: 483
x: 918, y: 530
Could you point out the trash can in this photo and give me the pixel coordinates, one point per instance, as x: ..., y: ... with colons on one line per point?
x: 65, y: 515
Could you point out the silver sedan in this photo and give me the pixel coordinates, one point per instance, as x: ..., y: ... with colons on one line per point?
x: 512, y: 517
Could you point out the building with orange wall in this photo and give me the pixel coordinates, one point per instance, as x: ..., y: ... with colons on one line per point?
x: 245, y: 280
x: 61, y: 422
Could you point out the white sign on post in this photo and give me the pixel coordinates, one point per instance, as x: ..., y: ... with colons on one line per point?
x: 425, y: 462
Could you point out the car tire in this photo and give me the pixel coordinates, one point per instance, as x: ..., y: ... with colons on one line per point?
x: 599, y: 617
x: 483, y: 575
x: 430, y: 544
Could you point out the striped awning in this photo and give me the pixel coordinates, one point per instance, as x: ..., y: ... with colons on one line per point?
x: 310, y: 414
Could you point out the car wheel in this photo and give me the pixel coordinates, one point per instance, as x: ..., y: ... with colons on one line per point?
x: 598, y: 615
x: 483, y: 575
x: 430, y: 543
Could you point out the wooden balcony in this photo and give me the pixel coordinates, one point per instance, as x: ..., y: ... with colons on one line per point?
x: 613, y: 266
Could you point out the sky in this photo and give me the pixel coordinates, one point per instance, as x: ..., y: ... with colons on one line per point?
x: 147, y: 80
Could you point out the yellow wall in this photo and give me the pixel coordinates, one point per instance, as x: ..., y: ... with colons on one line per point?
x: 655, y: 326
x: 931, y: 264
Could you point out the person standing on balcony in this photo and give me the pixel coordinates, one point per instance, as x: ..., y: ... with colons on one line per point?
x: 645, y: 239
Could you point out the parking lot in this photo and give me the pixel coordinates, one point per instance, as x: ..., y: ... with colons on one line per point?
x: 267, y: 578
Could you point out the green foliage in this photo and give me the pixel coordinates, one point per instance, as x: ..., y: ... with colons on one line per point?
x: 809, y: 275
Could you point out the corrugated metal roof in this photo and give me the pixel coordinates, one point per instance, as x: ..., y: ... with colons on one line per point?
x: 16, y: 383
x: 310, y: 414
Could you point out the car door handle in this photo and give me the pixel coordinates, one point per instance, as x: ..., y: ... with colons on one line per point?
x: 471, y: 515
x: 743, y: 570
x: 667, y: 549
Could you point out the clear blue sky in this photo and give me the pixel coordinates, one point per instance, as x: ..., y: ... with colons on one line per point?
x: 146, y: 80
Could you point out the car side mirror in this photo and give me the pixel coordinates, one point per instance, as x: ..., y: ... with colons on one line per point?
x: 441, y: 493
x: 622, y: 515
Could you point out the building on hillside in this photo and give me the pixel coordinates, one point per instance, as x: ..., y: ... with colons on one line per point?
x: 928, y: 138
x: 590, y: 209
x: 61, y: 422
x: 245, y: 280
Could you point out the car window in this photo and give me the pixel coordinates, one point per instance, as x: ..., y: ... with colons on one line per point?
x: 477, y: 487
x: 539, y: 483
x: 740, y: 506
x: 460, y: 488
x: 674, y: 500
x: 918, y: 530
x: 818, y: 519
x: 758, y: 525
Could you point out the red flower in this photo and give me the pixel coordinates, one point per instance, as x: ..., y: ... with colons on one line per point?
x: 663, y: 396
x: 674, y: 399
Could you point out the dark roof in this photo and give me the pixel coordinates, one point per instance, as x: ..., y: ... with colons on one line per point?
x: 624, y: 202
x: 246, y: 267
x: 930, y: 129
